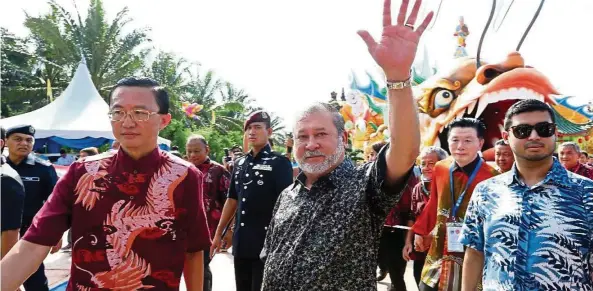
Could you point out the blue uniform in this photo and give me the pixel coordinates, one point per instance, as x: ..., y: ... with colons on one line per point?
x: 256, y: 183
x: 39, y: 178
x: 13, y: 197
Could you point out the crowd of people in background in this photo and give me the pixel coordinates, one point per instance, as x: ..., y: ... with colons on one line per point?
x: 139, y: 217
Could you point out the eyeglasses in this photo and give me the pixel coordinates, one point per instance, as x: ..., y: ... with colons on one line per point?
x: 136, y: 114
x: 543, y: 129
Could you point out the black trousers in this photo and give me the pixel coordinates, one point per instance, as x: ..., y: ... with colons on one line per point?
x: 424, y: 287
x: 207, y: 271
x: 418, y: 265
x: 390, y: 256
x: 249, y: 274
x: 37, y: 281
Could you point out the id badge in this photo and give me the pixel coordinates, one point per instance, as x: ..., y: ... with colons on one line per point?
x: 453, y: 237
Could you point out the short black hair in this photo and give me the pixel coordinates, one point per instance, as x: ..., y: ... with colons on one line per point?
x: 62, y: 151
x: 524, y: 106
x: 2, y: 133
x: 501, y: 142
x: 378, y: 146
x: 468, y: 122
x: 160, y: 94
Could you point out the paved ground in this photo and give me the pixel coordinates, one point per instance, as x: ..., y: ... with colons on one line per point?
x: 58, y: 267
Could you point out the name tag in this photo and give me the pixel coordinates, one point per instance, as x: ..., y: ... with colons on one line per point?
x: 262, y: 167
x: 30, y: 179
x: 453, y: 236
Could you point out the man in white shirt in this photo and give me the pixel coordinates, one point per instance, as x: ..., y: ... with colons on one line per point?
x: 64, y: 159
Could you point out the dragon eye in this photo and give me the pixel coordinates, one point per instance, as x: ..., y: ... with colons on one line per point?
x: 443, y: 98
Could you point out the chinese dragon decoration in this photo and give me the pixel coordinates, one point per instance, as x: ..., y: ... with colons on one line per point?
x: 469, y: 88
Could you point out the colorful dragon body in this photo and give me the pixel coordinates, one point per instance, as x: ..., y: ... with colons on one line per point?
x: 485, y: 93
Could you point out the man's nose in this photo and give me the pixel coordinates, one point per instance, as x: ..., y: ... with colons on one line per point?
x: 128, y: 121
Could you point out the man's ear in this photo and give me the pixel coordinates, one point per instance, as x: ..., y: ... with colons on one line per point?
x: 165, y: 120
x: 505, y: 136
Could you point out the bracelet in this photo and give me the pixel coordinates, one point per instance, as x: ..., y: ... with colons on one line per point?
x: 398, y: 85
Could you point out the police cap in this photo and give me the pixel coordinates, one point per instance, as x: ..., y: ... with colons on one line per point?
x: 257, y: 116
x: 24, y: 129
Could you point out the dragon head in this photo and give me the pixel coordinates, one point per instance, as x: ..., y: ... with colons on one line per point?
x: 485, y: 93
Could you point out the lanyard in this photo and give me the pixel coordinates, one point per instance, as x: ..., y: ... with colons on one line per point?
x: 457, y: 204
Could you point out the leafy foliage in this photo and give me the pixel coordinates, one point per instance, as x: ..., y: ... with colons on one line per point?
x: 113, y: 50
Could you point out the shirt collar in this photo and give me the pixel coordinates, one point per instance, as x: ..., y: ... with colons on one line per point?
x: 143, y: 164
x: 266, y: 150
x: 29, y: 160
x: 469, y: 168
x: 555, y: 176
x: 334, y: 177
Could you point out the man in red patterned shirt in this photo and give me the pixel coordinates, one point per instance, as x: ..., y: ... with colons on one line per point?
x: 420, y: 194
x: 569, y: 154
x: 136, y: 215
x: 393, y: 237
x: 215, y: 187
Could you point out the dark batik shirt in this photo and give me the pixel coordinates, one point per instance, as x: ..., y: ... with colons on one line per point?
x: 215, y: 186
x: 327, y: 237
x: 132, y: 221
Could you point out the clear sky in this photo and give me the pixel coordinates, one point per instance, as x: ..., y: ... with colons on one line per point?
x: 287, y: 53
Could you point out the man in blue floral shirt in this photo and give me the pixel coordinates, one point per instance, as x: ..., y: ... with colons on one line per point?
x: 530, y: 228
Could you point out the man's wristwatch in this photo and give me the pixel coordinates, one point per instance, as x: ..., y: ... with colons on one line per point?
x: 398, y: 85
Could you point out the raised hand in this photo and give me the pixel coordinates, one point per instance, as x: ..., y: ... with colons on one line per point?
x: 396, y: 51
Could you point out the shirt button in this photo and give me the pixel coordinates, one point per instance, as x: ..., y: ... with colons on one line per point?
x: 244, y: 187
x: 246, y: 175
x: 131, y: 197
x: 242, y: 224
x: 574, y: 180
x: 243, y: 212
x: 243, y: 199
x: 266, y: 228
x: 251, y: 164
x: 135, y: 172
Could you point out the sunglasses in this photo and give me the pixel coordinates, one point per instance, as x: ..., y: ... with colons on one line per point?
x: 543, y: 129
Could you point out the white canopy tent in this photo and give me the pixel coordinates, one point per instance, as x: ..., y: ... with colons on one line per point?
x: 78, y: 113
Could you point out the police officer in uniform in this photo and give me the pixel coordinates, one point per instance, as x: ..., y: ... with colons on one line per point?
x: 13, y: 197
x: 39, y: 178
x: 257, y: 180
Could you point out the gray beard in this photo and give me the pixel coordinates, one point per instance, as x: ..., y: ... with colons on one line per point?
x: 324, y: 166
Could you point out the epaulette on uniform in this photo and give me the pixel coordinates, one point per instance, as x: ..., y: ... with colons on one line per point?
x: 278, y: 154
x: 41, y: 161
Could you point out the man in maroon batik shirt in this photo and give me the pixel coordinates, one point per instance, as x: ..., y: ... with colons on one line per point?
x: 215, y: 187
x: 136, y: 215
x: 569, y: 154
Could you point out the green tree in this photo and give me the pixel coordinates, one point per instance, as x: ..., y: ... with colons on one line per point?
x: 23, y: 86
x: 171, y: 72
x: 110, y: 53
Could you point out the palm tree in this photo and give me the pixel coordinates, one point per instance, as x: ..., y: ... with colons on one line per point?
x: 171, y: 72
x: 110, y: 53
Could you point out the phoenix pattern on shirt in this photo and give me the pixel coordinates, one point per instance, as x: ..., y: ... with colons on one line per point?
x: 120, y: 211
x: 533, y: 238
